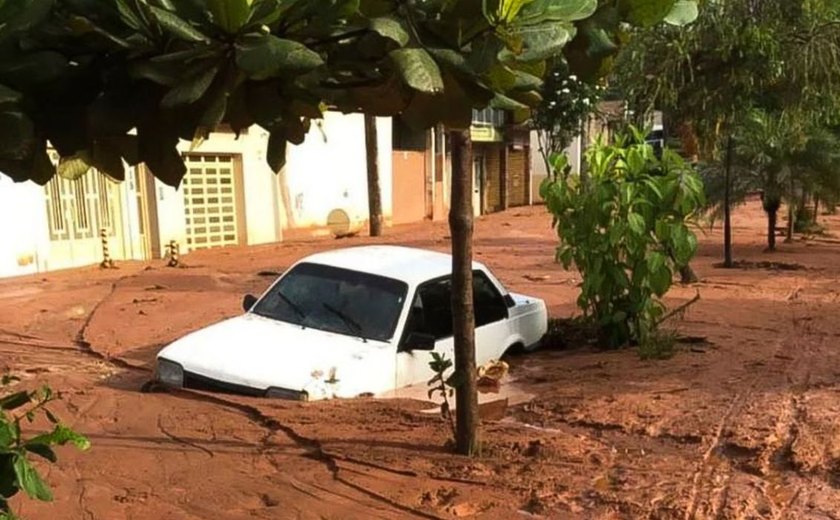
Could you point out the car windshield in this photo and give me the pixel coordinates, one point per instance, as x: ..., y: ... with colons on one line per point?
x: 336, y: 300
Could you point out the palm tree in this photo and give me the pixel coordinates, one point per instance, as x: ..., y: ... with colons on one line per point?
x: 785, y: 157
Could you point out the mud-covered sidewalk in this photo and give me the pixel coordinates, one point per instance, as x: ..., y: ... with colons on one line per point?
x: 744, y: 422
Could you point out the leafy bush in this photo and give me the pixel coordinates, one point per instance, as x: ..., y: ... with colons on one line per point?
x: 625, y: 227
x: 16, y: 471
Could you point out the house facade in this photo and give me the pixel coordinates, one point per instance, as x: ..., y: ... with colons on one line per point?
x: 230, y: 196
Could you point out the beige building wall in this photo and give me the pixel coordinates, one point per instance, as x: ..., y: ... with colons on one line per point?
x: 328, y: 171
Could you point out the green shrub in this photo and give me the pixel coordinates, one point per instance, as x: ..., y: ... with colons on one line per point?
x: 16, y: 470
x: 625, y: 226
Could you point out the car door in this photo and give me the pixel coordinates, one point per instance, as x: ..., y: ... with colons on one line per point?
x: 492, y: 326
x: 431, y: 314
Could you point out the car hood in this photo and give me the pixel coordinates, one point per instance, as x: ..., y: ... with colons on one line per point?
x: 259, y: 353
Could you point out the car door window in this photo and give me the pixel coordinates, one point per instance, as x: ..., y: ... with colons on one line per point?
x: 489, y: 304
x: 431, y: 310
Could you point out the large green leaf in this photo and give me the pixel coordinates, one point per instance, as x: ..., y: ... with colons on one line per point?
x: 74, y: 166
x: 276, y: 153
x: 390, y: 28
x: 683, y: 13
x: 484, y: 52
x: 8, y: 484
x: 106, y: 158
x: 540, y: 11
x: 501, y: 78
x: 230, y: 15
x: 43, y: 451
x: 15, y: 400
x: 645, y: 13
x: 62, y: 435
x: 30, y: 481
x: 269, y: 12
x: 543, y: 41
x: 28, y: 69
x: 16, y: 129
x: 191, y: 89
x: 178, y: 27
x: 418, y: 70
x: 157, y: 144
x: 264, y: 56
x: 18, y: 17
x: 130, y: 16
x: 505, y: 103
x: 8, y: 96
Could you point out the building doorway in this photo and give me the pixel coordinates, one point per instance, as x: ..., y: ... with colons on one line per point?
x: 479, y: 174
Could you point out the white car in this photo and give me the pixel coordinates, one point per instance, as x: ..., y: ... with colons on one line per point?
x: 351, y: 322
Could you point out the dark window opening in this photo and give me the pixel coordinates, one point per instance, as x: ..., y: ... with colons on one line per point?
x: 431, y: 310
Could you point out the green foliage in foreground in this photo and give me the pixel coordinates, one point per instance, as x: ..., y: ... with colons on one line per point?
x: 84, y: 74
x: 16, y: 470
x: 625, y: 227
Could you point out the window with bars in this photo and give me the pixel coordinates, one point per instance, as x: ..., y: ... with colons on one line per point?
x: 488, y: 117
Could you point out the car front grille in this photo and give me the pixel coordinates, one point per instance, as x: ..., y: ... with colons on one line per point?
x: 198, y: 382
x: 195, y: 381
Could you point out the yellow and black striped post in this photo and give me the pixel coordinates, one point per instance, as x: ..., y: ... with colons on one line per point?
x: 107, y: 261
x: 174, y: 253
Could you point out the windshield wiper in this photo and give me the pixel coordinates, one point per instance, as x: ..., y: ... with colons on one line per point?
x: 292, y: 305
x: 352, y: 324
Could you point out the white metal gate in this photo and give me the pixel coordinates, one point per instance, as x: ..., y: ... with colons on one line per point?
x: 76, y: 212
x: 210, y: 200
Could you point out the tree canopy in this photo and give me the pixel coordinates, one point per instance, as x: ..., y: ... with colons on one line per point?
x: 738, y: 55
x: 110, y: 80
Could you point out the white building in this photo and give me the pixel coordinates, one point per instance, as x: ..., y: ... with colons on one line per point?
x: 324, y: 182
x: 322, y: 189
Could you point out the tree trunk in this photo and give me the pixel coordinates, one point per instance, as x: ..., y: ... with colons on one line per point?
x: 771, y: 228
x: 790, y: 222
x: 791, y: 214
x: 727, y: 213
x: 374, y: 193
x: 463, y: 317
x: 816, y: 207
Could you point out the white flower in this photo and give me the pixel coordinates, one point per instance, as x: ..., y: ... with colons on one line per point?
x: 586, y: 102
x: 573, y: 77
x: 565, y: 91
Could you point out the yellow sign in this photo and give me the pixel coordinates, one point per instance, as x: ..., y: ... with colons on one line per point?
x: 485, y: 134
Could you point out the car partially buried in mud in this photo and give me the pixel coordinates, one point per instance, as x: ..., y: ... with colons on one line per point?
x: 348, y: 323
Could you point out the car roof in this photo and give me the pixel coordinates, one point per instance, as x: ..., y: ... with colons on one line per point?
x: 408, y: 264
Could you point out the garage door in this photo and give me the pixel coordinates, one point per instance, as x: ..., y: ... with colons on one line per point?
x: 211, y: 200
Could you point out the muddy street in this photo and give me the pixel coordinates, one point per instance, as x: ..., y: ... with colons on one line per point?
x: 743, y: 422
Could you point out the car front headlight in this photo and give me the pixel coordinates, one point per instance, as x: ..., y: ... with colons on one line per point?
x: 170, y: 373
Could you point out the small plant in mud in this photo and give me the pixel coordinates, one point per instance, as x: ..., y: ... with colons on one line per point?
x: 16, y: 470
x: 660, y: 345
x: 625, y: 226
x: 443, y: 386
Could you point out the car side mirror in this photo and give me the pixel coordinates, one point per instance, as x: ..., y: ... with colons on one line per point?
x: 420, y: 341
x: 248, y: 302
